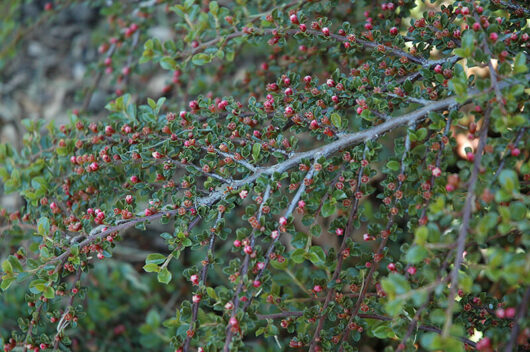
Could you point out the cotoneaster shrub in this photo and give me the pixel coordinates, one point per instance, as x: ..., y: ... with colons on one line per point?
x: 335, y: 174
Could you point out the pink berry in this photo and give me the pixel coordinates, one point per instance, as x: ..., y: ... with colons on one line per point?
x: 339, y: 232
x: 465, y: 11
x: 449, y: 188
x: 256, y: 283
x: 510, y: 313
x: 233, y: 321
x: 307, y: 79
x: 237, y: 243
x: 94, y: 166
x: 391, y: 267
x: 196, y: 298
x: 438, y: 69
x: 470, y: 156
x: 436, y: 172
x: 515, y: 152
x: 275, y: 234
x: 248, y: 250
x: 325, y: 31
x: 134, y: 179
x: 194, y: 279
x: 317, y: 288
x: 368, y: 237
x: 494, y: 36
x: 303, y: 28
x: 283, y: 221
x: 483, y: 344
x: 129, y: 199
x: 100, y: 255
x: 411, y: 270
x: 476, y: 26
x: 294, y: 19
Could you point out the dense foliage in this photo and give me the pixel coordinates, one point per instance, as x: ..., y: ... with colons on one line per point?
x: 331, y: 175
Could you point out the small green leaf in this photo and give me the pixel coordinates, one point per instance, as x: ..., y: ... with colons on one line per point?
x: 336, y: 120
x: 168, y: 63
x: 317, y: 255
x: 214, y: 8
x: 6, y: 267
x: 509, y: 180
x: 6, y: 282
x: 155, y: 258
x: 49, y: 292
x: 519, y: 64
x: 298, y: 255
x: 151, y: 268
x: 164, y: 276
x: 201, y: 59
x: 43, y: 226
x: 416, y: 254
x: 393, y: 165
x: 15, y: 263
x: 256, y: 150
x: 327, y: 209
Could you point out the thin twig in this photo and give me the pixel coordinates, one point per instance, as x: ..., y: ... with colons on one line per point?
x: 348, y: 234
x: 522, y: 310
x: 60, y: 326
x: 204, y: 273
x: 466, y: 217
x: 380, y: 249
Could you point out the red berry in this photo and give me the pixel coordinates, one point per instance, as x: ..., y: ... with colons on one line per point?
x: 391, y: 267
x: 303, y: 28
x: 48, y: 6
x: 294, y: 19
x: 483, y: 344
x: 476, y: 26
x: 470, y: 156
x: 515, y: 152
x: 510, y: 313
x: 307, y: 79
x: 494, y: 36
x: 256, y: 283
x: 237, y: 243
x: 465, y: 11
x: 394, y: 31
x: 438, y: 69
x: 325, y: 31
